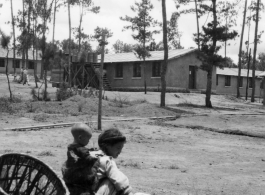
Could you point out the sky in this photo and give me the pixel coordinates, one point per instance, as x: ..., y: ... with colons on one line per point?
x: 109, y: 17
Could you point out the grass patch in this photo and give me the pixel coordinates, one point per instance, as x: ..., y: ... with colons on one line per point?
x: 189, y: 104
x: 173, y: 167
x: 46, y: 153
x: 41, y: 117
x: 135, y: 165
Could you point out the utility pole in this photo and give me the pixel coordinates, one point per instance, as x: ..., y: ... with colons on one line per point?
x: 102, y: 44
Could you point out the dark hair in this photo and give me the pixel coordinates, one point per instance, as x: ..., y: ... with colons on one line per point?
x: 111, y: 137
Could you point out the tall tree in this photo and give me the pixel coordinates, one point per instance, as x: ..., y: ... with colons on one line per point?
x: 14, y: 36
x: 57, y: 4
x: 198, y: 12
x: 213, y: 33
x: 84, y: 7
x: 44, y: 11
x: 101, y: 35
x: 121, y: 47
x: 69, y: 46
x: 240, y: 49
x: 174, y: 35
x: 164, y: 67
x: 255, y: 50
x: 142, y: 23
x: 5, y: 41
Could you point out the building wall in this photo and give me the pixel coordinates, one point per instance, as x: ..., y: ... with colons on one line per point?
x: 11, y: 69
x: 232, y: 90
x: 177, y: 75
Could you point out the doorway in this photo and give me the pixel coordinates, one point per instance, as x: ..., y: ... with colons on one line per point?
x: 192, y: 77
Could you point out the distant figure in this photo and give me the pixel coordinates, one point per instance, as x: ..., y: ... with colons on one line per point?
x: 21, y: 75
x: 25, y: 76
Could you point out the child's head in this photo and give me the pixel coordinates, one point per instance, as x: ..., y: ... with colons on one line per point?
x: 81, y: 133
x: 111, y: 142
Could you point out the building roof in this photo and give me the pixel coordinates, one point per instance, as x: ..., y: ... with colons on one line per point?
x: 3, y: 53
x: 155, y: 56
x: 234, y: 72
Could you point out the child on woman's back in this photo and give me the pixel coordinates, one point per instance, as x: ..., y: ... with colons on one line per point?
x: 78, y: 166
x: 112, y: 180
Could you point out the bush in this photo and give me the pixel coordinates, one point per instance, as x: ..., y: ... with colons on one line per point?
x: 47, y: 95
x: 34, y: 94
x: 6, y: 105
x: 63, y: 92
x: 120, y: 100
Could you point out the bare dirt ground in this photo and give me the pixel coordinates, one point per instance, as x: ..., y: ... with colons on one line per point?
x: 203, y: 151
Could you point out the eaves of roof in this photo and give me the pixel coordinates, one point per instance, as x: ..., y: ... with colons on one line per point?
x: 3, y: 53
x: 234, y: 72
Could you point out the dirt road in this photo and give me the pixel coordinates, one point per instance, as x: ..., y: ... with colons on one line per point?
x: 193, y: 154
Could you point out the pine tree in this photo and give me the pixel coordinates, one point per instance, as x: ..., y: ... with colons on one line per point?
x: 142, y: 24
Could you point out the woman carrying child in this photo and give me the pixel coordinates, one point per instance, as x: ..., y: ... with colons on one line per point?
x: 111, y: 180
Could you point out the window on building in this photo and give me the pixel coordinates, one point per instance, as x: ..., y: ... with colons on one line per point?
x: 137, y: 70
x: 241, y: 82
x: 2, y: 62
x: 119, y: 70
x: 31, y: 65
x: 250, y: 84
x: 156, y: 69
x: 227, y: 81
x: 216, y: 79
x: 16, y: 64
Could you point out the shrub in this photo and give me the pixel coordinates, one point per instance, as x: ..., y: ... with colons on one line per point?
x: 63, y: 92
x: 81, y: 105
x: 120, y: 100
x: 6, y: 105
x: 40, y: 117
x: 34, y: 94
x: 30, y: 107
x: 47, y: 95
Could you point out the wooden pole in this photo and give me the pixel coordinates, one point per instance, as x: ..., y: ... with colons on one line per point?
x: 101, y: 81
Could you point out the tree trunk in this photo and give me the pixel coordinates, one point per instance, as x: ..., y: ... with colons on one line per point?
x: 249, y: 59
x: 101, y: 82
x: 164, y: 67
x: 255, y: 52
x: 9, y: 88
x: 79, y: 29
x: 210, y: 71
x: 14, y: 37
x: 208, y: 102
x: 263, y: 80
x: 198, y: 28
x: 54, y: 17
x: 33, y: 51
x: 240, y: 50
x: 28, y: 35
x: 69, y: 45
x: 23, y: 46
x: 145, y: 87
